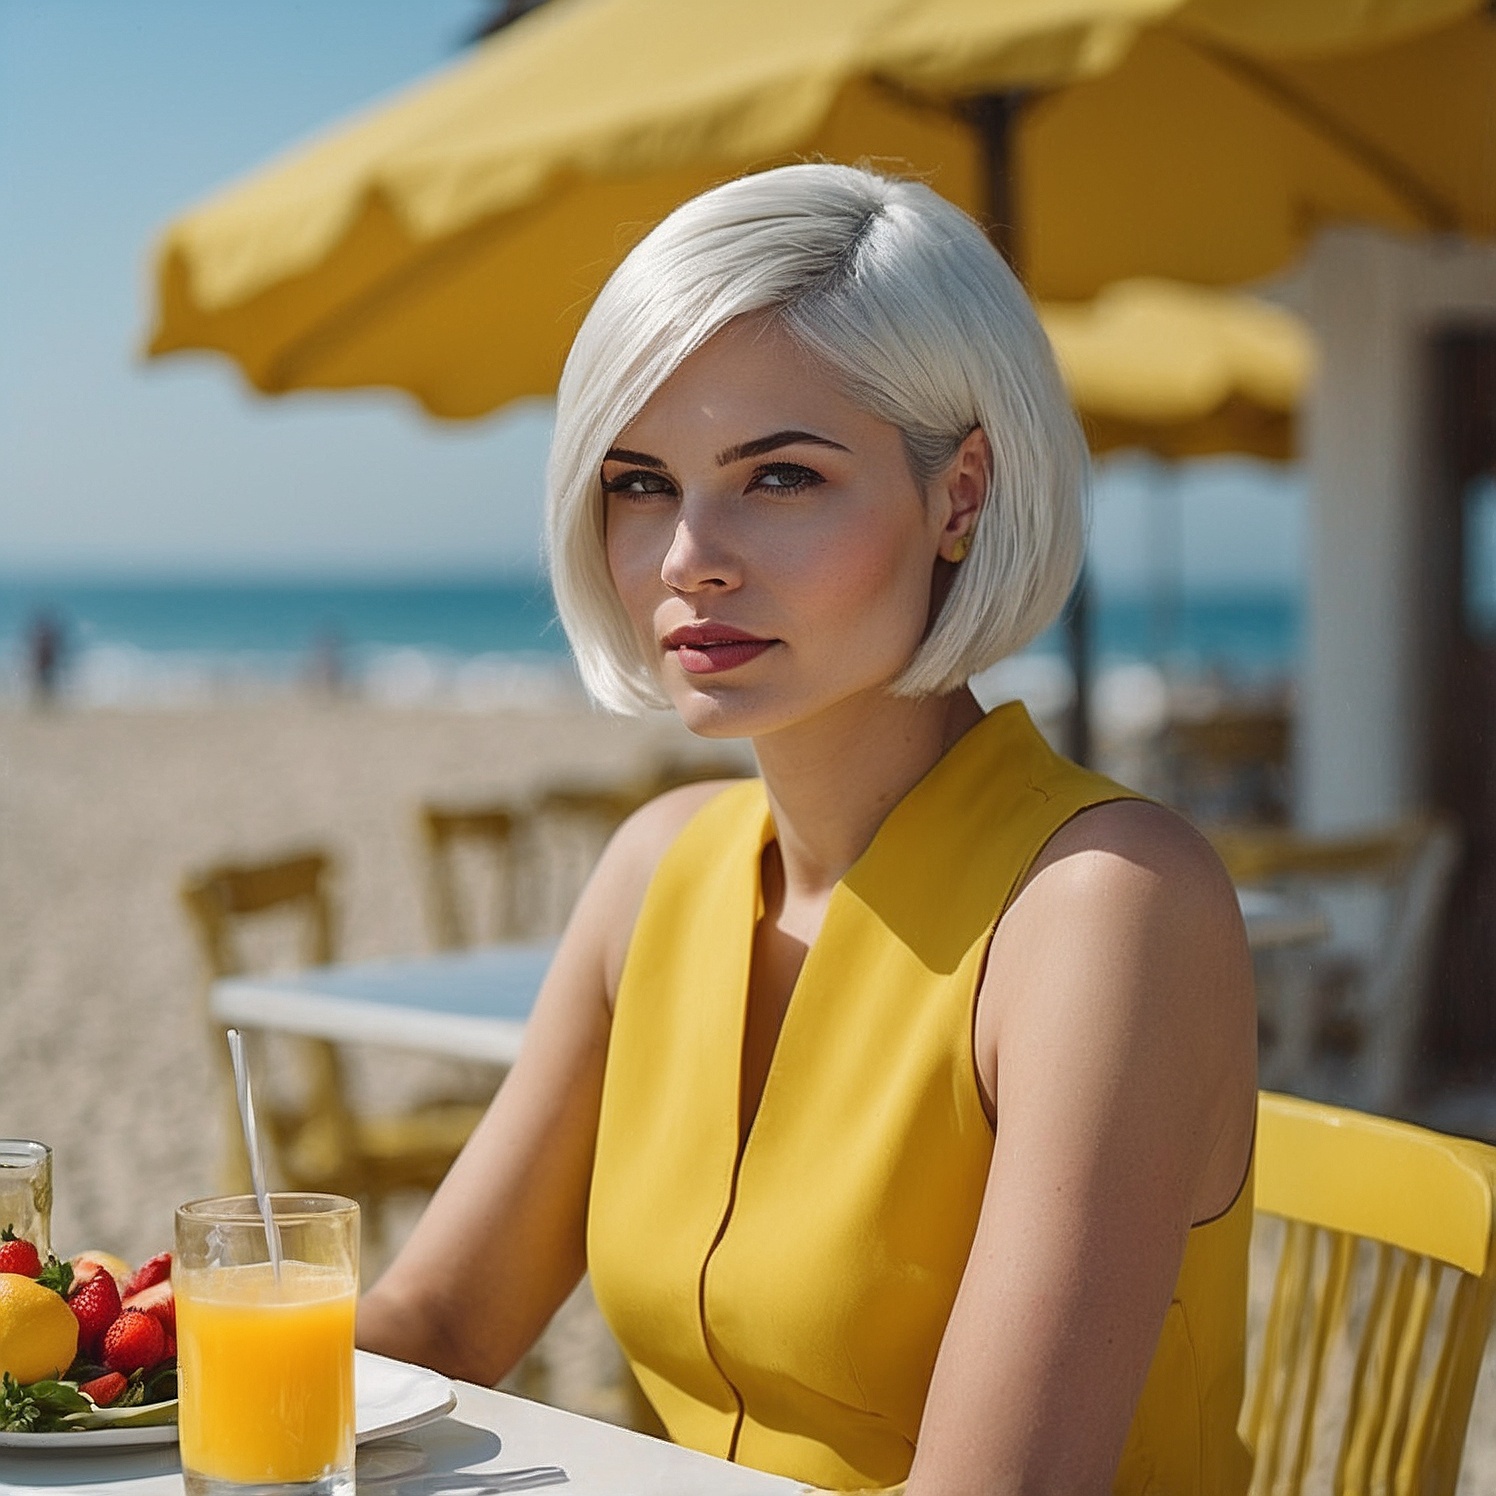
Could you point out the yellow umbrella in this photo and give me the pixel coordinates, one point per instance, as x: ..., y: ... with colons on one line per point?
x: 447, y: 242
x: 1182, y: 370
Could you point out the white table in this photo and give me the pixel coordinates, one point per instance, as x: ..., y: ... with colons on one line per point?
x: 1278, y: 921
x: 471, y: 1005
x: 459, y: 1455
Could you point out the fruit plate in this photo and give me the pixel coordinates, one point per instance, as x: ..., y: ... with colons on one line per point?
x: 393, y: 1398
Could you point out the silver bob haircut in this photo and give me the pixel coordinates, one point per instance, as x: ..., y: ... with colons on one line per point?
x: 919, y: 321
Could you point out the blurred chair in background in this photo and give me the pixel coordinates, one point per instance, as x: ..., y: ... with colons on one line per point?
x: 1230, y: 766
x: 494, y: 832
x: 1350, y: 1032
x: 1381, y: 1302
x: 573, y: 824
x: 318, y: 1142
x: 535, y: 858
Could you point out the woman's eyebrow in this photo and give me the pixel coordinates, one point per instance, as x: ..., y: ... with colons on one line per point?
x: 639, y: 459
x: 762, y: 444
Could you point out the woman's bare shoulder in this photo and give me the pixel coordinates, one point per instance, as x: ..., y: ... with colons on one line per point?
x: 1139, y: 846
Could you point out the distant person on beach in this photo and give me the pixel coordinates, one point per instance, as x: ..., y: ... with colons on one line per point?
x: 325, y: 672
x: 46, y: 646
x: 901, y: 1102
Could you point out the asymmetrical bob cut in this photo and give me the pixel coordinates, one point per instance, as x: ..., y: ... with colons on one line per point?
x: 917, y: 320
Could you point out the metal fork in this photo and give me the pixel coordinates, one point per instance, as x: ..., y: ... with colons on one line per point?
x: 474, y: 1483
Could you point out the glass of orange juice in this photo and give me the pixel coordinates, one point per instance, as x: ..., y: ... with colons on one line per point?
x: 264, y: 1351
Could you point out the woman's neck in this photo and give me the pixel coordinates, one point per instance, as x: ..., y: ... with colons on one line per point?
x: 831, y: 782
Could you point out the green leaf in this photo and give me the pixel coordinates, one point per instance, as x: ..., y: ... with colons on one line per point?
x: 58, y: 1397
x: 39, y: 1407
x: 18, y: 1413
x: 58, y: 1276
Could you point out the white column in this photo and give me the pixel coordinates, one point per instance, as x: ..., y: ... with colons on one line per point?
x: 1372, y: 300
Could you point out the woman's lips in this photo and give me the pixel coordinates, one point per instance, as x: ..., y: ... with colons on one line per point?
x: 710, y: 648
x: 728, y: 654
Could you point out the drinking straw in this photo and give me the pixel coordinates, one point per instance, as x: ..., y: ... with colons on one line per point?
x: 252, y: 1146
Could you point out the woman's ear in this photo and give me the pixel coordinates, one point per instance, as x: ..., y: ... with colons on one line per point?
x: 960, y: 492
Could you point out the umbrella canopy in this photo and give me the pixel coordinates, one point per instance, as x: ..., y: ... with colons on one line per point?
x: 448, y: 241
x: 1182, y: 370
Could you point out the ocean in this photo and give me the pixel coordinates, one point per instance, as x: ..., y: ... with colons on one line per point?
x: 481, y: 642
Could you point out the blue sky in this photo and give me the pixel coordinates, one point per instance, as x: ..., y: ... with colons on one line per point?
x: 114, y: 114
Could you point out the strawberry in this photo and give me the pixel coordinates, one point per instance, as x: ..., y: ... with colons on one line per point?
x: 17, y: 1255
x: 95, y: 1305
x: 156, y: 1300
x: 133, y: 1341
x: 105, y: 1389
x: 147, y: 1275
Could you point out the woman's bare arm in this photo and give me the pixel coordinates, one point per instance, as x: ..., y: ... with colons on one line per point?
x: 1116, y: 1024
x: 503, y: 1241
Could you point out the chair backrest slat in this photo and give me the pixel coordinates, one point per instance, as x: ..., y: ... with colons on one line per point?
x: 1377, y: 1426
x: 1328, y: 1313
x: 1409, y: 1372
x: 1275, y: 1404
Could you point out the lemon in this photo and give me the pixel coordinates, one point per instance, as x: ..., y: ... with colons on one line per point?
x: 38, y: 1334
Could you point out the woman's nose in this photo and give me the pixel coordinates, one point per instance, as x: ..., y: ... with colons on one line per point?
x: 697, y: 558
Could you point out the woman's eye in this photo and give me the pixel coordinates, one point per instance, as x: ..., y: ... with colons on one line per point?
x: 639, y: 481
x: 785, y: 477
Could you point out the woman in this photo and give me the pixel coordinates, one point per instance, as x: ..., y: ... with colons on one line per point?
x: 901, y: 1102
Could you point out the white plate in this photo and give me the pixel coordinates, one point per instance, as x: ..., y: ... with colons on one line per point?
x: 392, y: 1398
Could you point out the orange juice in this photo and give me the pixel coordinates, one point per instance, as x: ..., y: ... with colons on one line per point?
x: 266, y: 1371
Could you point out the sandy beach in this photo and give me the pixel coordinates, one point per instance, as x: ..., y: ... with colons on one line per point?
x: 104, y: 1051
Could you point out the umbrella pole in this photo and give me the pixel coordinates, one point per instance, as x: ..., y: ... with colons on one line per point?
x: 995, y: 118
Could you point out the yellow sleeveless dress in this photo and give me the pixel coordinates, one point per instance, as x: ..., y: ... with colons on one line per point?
x: 784, y: 1308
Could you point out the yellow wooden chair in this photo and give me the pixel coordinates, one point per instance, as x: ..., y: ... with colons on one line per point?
x: 319, y: 1143
x: 1381, y: 1303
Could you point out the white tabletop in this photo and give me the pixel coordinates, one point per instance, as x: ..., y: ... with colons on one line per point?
x: 461, y: 1455
x: 473, y: 1005
x: 1275, y: 921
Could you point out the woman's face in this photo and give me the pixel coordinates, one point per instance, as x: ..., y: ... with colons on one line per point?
x: 767, y: 538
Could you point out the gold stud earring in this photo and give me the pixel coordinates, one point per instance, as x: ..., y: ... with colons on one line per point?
x: 960, y: 548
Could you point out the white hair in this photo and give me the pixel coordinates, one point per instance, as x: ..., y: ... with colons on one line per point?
x: 903, y: 299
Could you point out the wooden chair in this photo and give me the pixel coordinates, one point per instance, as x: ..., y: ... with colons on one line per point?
x: 497, y: 831
x: 574, y: 822
x: 539, y: 855
x: 319, y: 1143
x: 1369, y: 1012
x: 1381, y: 1302
x: 1229, y: 765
